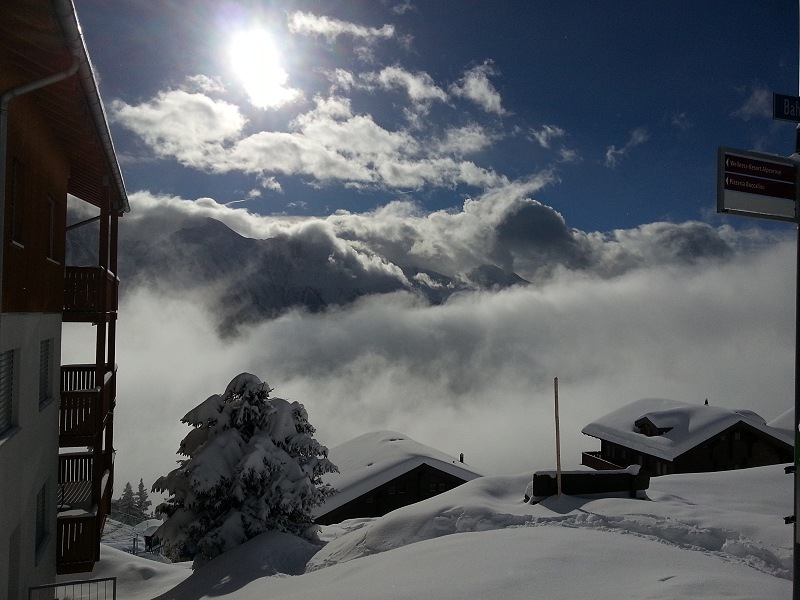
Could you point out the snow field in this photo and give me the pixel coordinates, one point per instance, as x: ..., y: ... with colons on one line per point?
x: 714, y: 535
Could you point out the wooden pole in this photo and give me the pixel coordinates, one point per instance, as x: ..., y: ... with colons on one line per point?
x: 558, y: 441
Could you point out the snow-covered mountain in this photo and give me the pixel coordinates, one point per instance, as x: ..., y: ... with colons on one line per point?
x: 245, y: 280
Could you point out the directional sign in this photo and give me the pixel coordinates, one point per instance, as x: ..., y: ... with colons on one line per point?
x: 757, y: 185
x: 786, y: 108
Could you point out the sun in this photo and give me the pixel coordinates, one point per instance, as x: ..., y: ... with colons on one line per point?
x: 256, y: 61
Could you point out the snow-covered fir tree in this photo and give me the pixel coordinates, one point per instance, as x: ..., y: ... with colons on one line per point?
x: 253, y: 465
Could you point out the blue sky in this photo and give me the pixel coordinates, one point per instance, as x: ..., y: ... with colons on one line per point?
x: 615, y: 109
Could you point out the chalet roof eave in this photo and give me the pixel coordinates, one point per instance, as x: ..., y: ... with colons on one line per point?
x: 68, y: 20
x: 673, y: 453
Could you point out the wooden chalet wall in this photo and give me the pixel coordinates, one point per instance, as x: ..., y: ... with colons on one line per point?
x: 411, y: 487
x: 740, y: 446
x: 35, y: 215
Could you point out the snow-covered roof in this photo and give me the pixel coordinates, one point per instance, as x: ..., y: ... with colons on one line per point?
x: 688, y: 425
x: 375, y: 458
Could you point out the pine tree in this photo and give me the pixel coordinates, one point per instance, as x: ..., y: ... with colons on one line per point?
x: 143, y: 502
x: 125, y: 507
x: 253, y: 465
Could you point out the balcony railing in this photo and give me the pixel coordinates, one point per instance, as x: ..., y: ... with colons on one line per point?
x: 84, y: 404
x: 89, y: 292
x: 85, y: 486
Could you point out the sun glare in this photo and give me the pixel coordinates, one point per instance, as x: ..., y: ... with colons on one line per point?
x: 256, y: 62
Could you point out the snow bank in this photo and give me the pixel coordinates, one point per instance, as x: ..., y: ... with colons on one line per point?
x: 711, y: 536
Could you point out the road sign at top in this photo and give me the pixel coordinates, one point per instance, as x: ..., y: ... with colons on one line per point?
x: 757, y: 185
x: 786, y: 108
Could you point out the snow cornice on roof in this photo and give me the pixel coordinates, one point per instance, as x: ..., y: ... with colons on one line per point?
x: 684, y: 425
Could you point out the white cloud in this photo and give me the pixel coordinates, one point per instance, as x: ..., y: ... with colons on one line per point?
x: 341, y: 80
x: 419, y: 86
x: 475, y: 86
x: 680, y: 120
x: 758, y: 104
x: 330, y: 28
x: 613, y: 154
x: 568, y: 155
x: 328, y: 143
x: 189, y: 126
x: 468, y: 139
x: 403, y: 7
x: 270, y: 183
x: 204, y: 84
x: 546, y: 134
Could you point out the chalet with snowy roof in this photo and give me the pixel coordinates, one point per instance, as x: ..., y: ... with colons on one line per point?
x: 667, y: 436
x: 382, y: 471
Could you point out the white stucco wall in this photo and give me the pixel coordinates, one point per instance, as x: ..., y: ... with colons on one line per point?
x: 28, y: 456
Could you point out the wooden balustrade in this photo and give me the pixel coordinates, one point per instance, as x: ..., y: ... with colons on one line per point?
x: 89, y: 292
x: 78, y: 541
x: 85, y: 488
x: 84, y: 404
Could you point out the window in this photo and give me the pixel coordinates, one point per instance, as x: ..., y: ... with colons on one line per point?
x: 6, y: 390
x: 41, y: 521
x: 45, y: 370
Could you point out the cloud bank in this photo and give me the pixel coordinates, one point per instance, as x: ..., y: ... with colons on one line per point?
x: 684, y: 311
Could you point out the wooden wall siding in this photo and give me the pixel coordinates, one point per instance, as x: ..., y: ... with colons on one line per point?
x: 33, y: 282
x: 739, y: 447
x: 418, y: 484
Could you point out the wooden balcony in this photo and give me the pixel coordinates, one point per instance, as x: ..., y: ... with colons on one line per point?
x: 85, y: 482
x: 90, y: 294
x: 85, y: 404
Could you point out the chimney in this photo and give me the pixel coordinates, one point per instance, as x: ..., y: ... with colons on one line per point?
x: 461, y: 457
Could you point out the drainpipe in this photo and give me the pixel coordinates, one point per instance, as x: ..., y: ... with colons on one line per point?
x: 5, y: 100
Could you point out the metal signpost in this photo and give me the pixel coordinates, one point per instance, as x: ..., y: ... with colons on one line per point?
x: 755, y: 184
x: 766, y: 186
x: 786, y: 108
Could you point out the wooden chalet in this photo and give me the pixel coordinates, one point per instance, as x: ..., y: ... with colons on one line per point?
x: 382, y: 471
x: 666, y: 436
x: 56, y: 421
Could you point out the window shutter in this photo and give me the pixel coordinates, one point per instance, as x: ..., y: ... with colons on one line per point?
x: 41, y: 515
